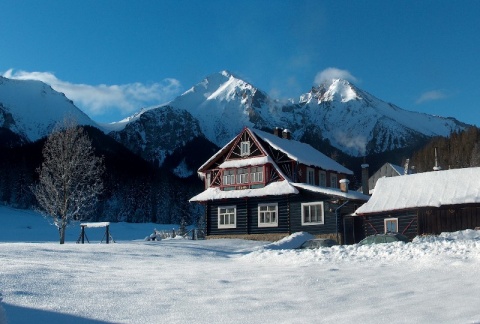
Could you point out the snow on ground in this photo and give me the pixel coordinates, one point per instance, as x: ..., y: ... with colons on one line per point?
x: 432, y: 280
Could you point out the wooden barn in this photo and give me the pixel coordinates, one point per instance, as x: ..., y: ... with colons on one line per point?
x: 267, y: 186
x: 424, y: 203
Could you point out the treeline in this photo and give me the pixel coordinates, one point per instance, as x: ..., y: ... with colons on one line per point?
x: 135, y: 190
x: 459, y: 150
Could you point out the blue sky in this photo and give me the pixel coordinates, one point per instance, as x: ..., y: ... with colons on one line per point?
x: 114, y: 57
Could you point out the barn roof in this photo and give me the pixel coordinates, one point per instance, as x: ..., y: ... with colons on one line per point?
x: 429, y: 189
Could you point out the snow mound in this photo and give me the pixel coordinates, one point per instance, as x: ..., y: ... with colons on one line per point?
x: 290, y: 242
x: 464, y: 235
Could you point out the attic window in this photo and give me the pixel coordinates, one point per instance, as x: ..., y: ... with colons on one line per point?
x: 323, y: 179
x: 245, y: 148
x: 333, y: 180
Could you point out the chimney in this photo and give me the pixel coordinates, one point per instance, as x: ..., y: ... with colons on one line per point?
x: 277, y: 132
x: 344, y: 185
x: 286, y: 134
x: 365, y: 188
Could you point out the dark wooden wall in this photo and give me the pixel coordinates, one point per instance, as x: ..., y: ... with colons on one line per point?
x: 448, y: 219
x: 422, y: 221
x: 289, y: 215
x: 407, y: 223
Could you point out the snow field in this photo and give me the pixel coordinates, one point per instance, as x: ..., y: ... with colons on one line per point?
x: 432, y: 280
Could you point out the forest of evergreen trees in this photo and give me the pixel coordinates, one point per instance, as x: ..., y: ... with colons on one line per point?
x: 137, y: 191
x: 459, y: 150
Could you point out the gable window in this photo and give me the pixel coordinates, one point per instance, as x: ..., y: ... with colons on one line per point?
x: 227, y: 217
x: 391, y: 224
x: 312, y: 213
x: 267, y: 215
x: 228, y: 177
x: 256, y: 174
x: 245, y: 148
x: 242, y: 176
x: 333, y: 180
x: 323, y: 179
x: 311, y: 176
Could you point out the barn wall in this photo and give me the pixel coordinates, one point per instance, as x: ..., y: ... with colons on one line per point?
x: 407, y: 223
x: 448, y: 219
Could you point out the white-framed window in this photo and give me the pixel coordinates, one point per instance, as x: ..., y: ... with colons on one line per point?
x: 227, y: 217
x: 256, y: 174
x: 333, y: 180
x: 312, y: 213
x: 268, y: 215
x: 323, y: 178
x: 391, y: 224
x: 242, y: 176
x: 245, y: 148
x: 229, y: 177
x: 311, y: 176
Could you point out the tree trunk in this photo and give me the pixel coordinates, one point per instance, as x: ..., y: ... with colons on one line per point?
x: 61, y: 231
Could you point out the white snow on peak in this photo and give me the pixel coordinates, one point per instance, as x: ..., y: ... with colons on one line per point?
x: 219, y: 104
x: 340, y: 90
x: 36, y: 108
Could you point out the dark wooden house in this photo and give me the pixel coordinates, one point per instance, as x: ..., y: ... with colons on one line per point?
x: 424, y: 203
x: 266, y: 186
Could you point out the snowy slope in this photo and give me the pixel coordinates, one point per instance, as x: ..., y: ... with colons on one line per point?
x: 32, y: 108
x: 431, y: 280
x: 352, y: 120
x: 155, y: 133
x: 224, y: 104
x: 358, y: 123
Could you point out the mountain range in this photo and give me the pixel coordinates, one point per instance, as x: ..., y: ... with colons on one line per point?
x: 335, y: 115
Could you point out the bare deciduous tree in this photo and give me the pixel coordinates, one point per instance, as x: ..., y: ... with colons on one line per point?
x: 69, y: 177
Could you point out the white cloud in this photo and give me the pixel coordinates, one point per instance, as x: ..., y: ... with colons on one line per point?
x: 431, y: 96
x: 100, y: 99
x: 333, y: 73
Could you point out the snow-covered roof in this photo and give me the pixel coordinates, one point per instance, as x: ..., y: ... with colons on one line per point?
x: 301, y: 152
x: 354, y: 195
x: 97, y: 224
x: 240, y: 163
x: 429, y: 189
x: 272, y: 189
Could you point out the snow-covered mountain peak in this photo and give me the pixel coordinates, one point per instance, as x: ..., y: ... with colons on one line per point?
x: 332, y: 90
x: 32, y: 108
